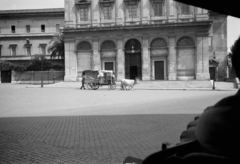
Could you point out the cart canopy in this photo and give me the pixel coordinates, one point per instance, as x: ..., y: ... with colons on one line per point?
x: 98, y: 73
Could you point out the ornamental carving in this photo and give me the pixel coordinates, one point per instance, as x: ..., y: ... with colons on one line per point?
x: 158, y: 43
x: 84, y: 46
x: 108, y: 45
x: 185, y: 41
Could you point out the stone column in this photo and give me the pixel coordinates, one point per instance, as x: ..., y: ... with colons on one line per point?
x: 70, y: 61
x: 145, y: 60
x: 96, y: 55
x: 120, y: 72
x: 202, y: 61
x: 172, y: 58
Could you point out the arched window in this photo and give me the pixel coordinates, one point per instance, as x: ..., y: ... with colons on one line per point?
x: 185, y: 41
x: 108, y: 45
x: 84, y: 45
x: 156, y: 43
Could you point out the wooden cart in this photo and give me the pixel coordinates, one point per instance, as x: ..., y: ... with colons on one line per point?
x: 98, y: 78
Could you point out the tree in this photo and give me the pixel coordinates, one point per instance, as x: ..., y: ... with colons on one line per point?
x: 57, y: 46
x: 36, y: 64
x: 5, y: 66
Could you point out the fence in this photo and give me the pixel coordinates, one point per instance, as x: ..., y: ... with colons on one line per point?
x: 35, y: 77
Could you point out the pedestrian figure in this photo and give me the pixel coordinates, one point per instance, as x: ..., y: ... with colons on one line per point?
x: 113, y: 78
x: 83, y: 80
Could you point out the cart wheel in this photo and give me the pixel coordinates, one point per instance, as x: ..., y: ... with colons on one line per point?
x: 88, y: 85
x: 94, y: 86
x: 113, y: 87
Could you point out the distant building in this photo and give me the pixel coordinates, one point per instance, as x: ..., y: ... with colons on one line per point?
x: 25, y: 33
x: 149, y: 39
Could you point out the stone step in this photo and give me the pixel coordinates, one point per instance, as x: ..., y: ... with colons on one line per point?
x: 223, y: 85
x: 194, y: 84
x: 173, y: 84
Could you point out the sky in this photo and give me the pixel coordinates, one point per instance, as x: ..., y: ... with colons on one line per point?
x: 233, y: 26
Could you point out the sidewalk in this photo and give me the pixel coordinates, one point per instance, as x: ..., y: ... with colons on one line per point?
x: 154, y: 85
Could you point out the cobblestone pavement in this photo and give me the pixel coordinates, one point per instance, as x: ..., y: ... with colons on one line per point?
x: 86, y: 139
x: 56, y: 125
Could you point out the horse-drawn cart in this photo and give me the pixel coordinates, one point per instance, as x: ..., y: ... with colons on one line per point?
x: 96, y: 78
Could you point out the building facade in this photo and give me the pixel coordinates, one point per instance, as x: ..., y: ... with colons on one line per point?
x: 149, y: 39
x: 26, y: 33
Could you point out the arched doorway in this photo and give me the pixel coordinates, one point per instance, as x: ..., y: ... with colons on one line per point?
x: 186, y: 59
x: 133, y: 59
x: 159, y: 53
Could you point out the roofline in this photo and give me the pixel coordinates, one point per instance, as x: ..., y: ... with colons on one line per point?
x: 32, y: 11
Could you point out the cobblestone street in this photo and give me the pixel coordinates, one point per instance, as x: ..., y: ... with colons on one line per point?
x: 94, y: 138
x: 86, y: 139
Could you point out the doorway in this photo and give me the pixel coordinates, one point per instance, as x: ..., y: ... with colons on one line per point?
x: 133, y: 59
x: 159, y: 70
x: 6, y: 76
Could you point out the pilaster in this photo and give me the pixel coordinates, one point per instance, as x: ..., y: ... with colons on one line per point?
x: 202, y: 61
x: 96, y: 55
x: 70, y: 61
x: 120, y: 59
x: 172, y: 58
x: 145, y: 59
x: 120, y: 12
x: 145, y: 9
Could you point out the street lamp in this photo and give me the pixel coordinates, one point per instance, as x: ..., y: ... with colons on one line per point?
x: 42, y: 57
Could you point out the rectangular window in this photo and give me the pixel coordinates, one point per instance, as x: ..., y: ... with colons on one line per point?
x: 109, y: 66
x: 13, y: 29
x: 57, y: 27
x: 28, y: 28
x: 184, y: 9
x: 28, y: 51
x: 43, y: 49
x: 107, y: 12
x: 132, y: 9
x: 0, y: 50
x: 13, y: 50
x: 42, y: 28
x: 83, y: 14
x: 158, y: 9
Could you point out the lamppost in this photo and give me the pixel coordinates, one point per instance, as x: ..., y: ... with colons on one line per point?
x: 42, y: 57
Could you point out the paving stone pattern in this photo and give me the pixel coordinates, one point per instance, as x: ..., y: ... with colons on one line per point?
x: 87, y: 139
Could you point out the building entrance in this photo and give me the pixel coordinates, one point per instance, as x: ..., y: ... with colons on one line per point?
x: 159, y: 70
x: 133, y: 59
x: 6, y: 76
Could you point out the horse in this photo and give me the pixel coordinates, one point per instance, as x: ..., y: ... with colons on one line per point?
x: 128, y: 83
